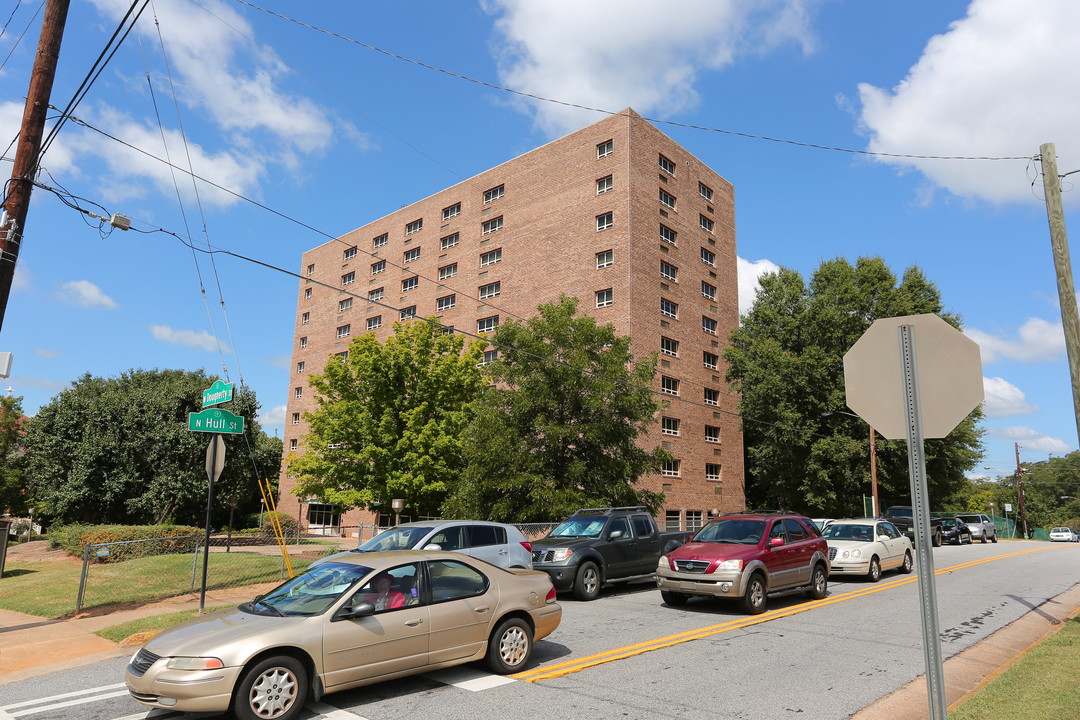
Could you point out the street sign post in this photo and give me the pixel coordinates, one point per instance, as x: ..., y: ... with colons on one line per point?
x: 217, y: 393
x: 215, y: 463
x: 216, y: 421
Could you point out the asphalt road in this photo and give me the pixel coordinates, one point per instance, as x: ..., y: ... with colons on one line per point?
x: 626, y: 655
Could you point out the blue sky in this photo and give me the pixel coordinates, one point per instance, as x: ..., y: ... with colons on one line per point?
x: 317, y: 131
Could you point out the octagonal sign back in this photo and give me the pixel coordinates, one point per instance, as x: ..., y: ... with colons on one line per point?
x: 948, y: 369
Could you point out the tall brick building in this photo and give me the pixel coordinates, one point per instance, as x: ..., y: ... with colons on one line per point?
x: 616, y: 214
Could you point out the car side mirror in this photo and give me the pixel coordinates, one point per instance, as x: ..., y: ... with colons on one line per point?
x: 360, y: 609
x: 615, y: 534
x: 433, y: 546
x: 776, y: 542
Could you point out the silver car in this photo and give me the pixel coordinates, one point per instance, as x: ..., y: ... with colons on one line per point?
x: 501, y: 545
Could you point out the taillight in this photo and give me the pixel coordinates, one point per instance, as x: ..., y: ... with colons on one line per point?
x: 550, y: 596
x: 527, y: 545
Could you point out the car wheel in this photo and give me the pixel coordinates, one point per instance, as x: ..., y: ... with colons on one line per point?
x: 753, y: 601
x: 936, y: 540
x: 908, y: 564
x: 673, y: 598
x: 510, y: 646
x: 874, y: 573
x: 971, y: 541
x: 993, y: 538
x: 274, y: 689
x: 983, y: 538
x: 819, y: 582
x: 587, y: 581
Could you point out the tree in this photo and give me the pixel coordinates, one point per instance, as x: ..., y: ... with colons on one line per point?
x: 14, y: 493
x: 390, y: 420
x: 786, y: 359
x: 118, y: 450
x: 559, y: 429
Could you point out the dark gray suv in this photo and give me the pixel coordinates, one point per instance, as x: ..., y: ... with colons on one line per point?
x: 981, y: 526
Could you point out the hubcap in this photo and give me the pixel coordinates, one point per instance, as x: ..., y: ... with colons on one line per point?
x: 513, y: 646
x: 273, y: 693
x: 757, y: 594
x: 590, y: 580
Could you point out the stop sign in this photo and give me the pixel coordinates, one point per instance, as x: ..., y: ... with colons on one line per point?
x: 948, y: 371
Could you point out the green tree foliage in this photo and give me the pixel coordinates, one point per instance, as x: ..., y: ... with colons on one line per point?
x: 14, y: 494
x: 1051, y: 492
x: 559, y: 430
x: 802, y: 452
x: 117, y: 450
x: 390, y: 420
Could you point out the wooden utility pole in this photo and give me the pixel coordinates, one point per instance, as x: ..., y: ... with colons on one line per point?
x: 1070, y: 317
x: 17, y: 192
x: 1020, y: 488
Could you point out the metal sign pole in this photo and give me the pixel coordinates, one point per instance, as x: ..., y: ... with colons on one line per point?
x: 935, y: 676
x: 215, y: 462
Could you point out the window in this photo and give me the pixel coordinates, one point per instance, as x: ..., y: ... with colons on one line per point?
x: 605, y: 259
x: 669, y: 385
x: 604, y: 298
x: 708, y: 257
x: 668, y: 271
x: 642, y: 526
x: 303, y: 343
x: 604, y: 185
x: 298, y: 392
x: 296, y: 418
x: 344, y: 305
x: 668, y: 308
x: 670, y: 468
x: 603, y: 222
x: 348, y: 278
x: 350, y: 253
x: 311, y: 269
x: 488, y: 324
x: 712, y: 434
x: 669, y: 426
x: 669, y: 346
x: 448, y: 271
x: 375, y: 295
x: 410, y: 284
x: 305, y: 318
x: 667, y: 234
x: 379, y: 241
x: 693, y: 520
x: 672, y: 521
x: 378, y: 267
x: 344, y: 331
x: 705, y: 223
x: 490, y: 258
x: 667, y: 165
x: 708, y: 324
x: 490, y: 356
x: 708, y: 291
x: 446, y: 330
x: 446, y: 302
x: 490, y: 290
x: 300, y: 366
x: 374, y: 323
x: 492, y: 225
x: 605, y: 148
x: 452, y: 580
x: 407, y: 313
x: 307, y: 293
x: 493, y: 194
x: 292, y: 444
x: 712, y: 397
x: 710, y: 360
x: 712, y: 472
x: 667, y: 199
x: 410, y: 255
x: 452, y: 211
x: 414, y: 227
x: 449, y: 241
x: 705, y: 191
x: 343, y: 356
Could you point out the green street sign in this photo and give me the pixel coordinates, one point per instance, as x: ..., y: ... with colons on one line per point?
x: 215, y: 421
x: 218, y: 393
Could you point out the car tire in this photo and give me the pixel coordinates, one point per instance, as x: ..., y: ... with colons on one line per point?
x: 510, y: 646
x: 936, y: 539
x: 983, y: 538
x: 753, y: 600
x: 971, y: 541
x: 274, y: 689
x: 873, y: 574
x: 993, y: 538
x: 819, y: 583
x: 674, y: 599
x: 587, y: 581
x: 908, y: 564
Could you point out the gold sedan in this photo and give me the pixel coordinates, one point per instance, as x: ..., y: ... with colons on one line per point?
x: 355, y: 619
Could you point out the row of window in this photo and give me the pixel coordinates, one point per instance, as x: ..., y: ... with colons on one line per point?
x: 673, y: 468
x: 670, y: 386
x: 446, y: 271
x: 670, y: 308
x: 673, y: 426
x: 671, y: 272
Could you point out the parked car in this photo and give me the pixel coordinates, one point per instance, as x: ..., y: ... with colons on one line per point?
x: 360, y: 619
x: 901, y: 517
x: 955, y: 531
x: 982, y: 527
x: 1062, y: 534
x: 496, y: 543
x: 867, y: 546
x: 747, y: 557
x: 596, y: 546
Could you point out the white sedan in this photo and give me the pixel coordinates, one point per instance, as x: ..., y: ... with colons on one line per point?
x: 866, y: 547
x: 1062, y: 534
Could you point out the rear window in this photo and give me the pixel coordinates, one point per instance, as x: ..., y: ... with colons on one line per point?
x: 971, y: 518
x: 481, y: 535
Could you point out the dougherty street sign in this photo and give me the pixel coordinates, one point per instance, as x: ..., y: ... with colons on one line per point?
x: 217, y: 393
x: 217, y: 421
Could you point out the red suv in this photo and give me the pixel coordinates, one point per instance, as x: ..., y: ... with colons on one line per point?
x: 747, y: 557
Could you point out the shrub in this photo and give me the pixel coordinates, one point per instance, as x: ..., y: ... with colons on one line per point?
x: 151, y: 540
x: 288, y: 522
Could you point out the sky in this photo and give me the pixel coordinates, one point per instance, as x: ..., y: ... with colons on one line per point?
x: 304, y: 121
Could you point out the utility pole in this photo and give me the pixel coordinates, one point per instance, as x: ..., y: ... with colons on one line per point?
x: 1070, y: 317
x: 17, y: 192
x: 1020, y: 486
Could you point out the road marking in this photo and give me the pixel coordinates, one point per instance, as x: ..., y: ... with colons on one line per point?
x: 69, y: 703
x: 467, y: 679
x: 333, y: 713
x: 50, y: 698
x: 549, y: 672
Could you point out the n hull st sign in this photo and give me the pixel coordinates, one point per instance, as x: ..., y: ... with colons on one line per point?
x: 216, y: 421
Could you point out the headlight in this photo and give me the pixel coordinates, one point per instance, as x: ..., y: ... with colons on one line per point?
x: 662, y: 562
x: 194, y: 663
x: 852, y: 554
x: 728, y: 565
x: 561, y: 554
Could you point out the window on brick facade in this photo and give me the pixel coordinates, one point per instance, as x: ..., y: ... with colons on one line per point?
x: 348, y: 278
x: 605, y: 258
x: 709, y: 359
x: 705, y: 191
x: 375, y: 295
x: 491, y: 257
x: 604, y: 184
x: 292, y: 444
x: 410, y: 284
x: 669, y: 346
x: 667, y: 234
x: 452, y: 211
x: 296, y: 418
x: 667, y: 199
x: 489, y: 357
x: 410, y: 255
x: 488, y: 324
x: 350, y: 253
x: 712, y: 434
x: 448, y: 271
x: 669, y: 426
x: 489, y: 226
x: 342, y: 356
x: 379, y: 241
x: 693, y: 520
x: 708, y: 324
x: 604, y: 298
x: 672, y: 521
x: 667, y: 165
x: 449, y: 241
x: 344, y: 305
x: 490, y: 290
x: 305, y: 318
x: 712, y: 397
x: 378, y: 267
x: 708, y: 291
x: 303, y: 343
x: 670, y: 468
x: 344, y: 331
x: 605, y: 221
x: 705, y: 223
x: 407, y: 313
x: 298, y: 392
x: 414, y: 227
x: 669, y: 385
x: 605, y: 148
x: 708, y: 257
x: 668, y: 308
x: 445, y: 303
x: 300, y: 366
x: 494, y: 194
x: 307, y: 293
x: 712, y: 472
x: 374, y: 323
x: 311, y: 269
x: 668, y: 271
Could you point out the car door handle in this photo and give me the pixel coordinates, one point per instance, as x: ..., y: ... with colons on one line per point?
x: 482, y: 609
x: 414, y: 622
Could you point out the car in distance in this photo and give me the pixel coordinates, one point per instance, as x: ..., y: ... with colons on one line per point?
x: 359, y: 619
x: 982, y: 527
x: 867, y: 546
x: 1062, y: 534
x: 902, y: 517
x: 496, y: 543
x: 955, y: 531
x: 747, y: 557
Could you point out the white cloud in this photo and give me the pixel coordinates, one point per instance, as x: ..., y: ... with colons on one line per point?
x: 22, y: 280
x: 46, y: 353
x: 1004, y: 399
x: 1030, y: 439
x: 274, y: 417
x: 47, y: 384
x: 749, y: 272
x: 985, y: 87
x: 84, y: 293
x: 283, y: 362
x: 611, y: 54
x: 1037, y: 341
x: 59, y: 157
x: 190, y: 338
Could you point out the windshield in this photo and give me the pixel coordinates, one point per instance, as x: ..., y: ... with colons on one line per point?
x: 864, y: 533
x: 736, y: 532
x: 948, y: 523
x: 579, y: 527
x: 971, y: 518
x: 900, y: 512
x: 309, y: 593
x: 399, y: 538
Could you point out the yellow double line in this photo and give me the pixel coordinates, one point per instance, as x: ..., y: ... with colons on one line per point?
x: 548, y: 672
